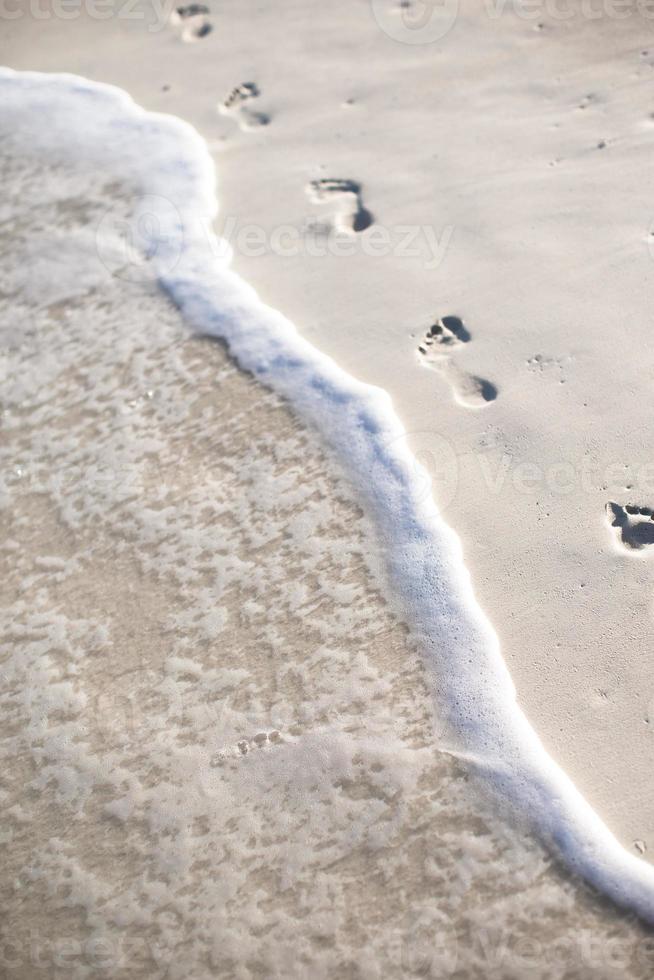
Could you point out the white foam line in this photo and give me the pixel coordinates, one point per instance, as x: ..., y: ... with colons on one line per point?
x: 424, y: 556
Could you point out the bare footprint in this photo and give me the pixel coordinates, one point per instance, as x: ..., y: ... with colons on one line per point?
x: 435, y: 350
x: 345, y: 198
x: 237, y: 105
x: 634, y: 525
x: 193, y: 19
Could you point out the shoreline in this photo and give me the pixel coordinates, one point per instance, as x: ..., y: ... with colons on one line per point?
x: 219, y: 744
x: 572, y: 607
x: 424, y: 559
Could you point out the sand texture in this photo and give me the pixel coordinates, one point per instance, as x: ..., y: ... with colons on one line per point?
x: 220, y: 757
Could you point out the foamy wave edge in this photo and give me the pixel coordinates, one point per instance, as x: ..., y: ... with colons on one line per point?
x: 423, y: 555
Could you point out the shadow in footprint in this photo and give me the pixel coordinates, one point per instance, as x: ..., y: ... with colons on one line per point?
x: 456, y: 327
x: 635, y: 524
x: 362, y: 220
x: 487, y: 390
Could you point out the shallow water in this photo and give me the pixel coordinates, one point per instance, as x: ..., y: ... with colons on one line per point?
x: 220, y: 758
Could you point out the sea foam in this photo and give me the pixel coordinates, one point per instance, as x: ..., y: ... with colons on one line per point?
x: 174, y: 244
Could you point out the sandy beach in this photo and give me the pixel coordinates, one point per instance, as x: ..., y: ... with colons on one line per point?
x: 461, y: 218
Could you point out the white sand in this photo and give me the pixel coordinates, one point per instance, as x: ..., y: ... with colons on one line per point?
x: 218, y: 753
x: 524, y: 153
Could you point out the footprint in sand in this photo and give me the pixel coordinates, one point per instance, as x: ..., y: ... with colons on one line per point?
x: 344, y: 196
x: 435, y: 350
x: 237, y: 106
x: 193, y: 19
x: 634, y: 525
